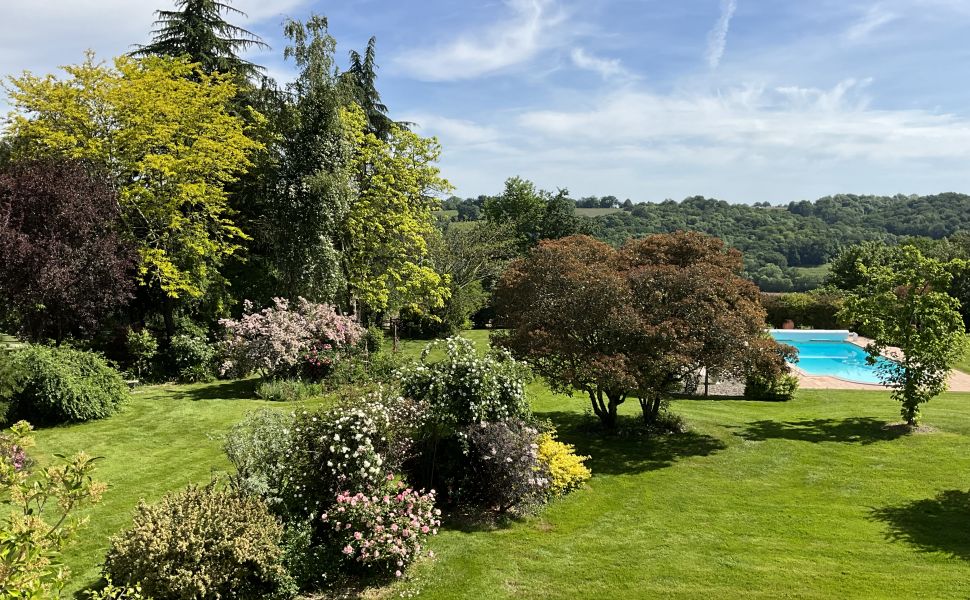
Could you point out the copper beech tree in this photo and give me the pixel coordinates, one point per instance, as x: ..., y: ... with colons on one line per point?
x: 633, y: 322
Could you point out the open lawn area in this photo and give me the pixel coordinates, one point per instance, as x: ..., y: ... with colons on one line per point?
x: 815, y: 498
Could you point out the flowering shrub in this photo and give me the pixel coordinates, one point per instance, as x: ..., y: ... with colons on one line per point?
x: 503, y: 470
x: 283, y: 340
x: 464, y: 388
x: 297, y: 463
x: 39, y: 515
x: 565, y: 467
x: 384, y: 529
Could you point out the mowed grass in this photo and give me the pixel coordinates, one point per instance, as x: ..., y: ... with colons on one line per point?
x: 814, y: 498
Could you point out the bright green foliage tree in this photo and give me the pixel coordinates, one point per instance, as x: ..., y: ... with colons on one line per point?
x: 905, y: 304
x: 161, y: 130
x: 521, y: 206
x: 198, y: 31
x: 386, y: 254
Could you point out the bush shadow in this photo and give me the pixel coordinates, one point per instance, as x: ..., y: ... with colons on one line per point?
x: 931, y: 525
x: 858, y: 430
x: 240, y: 389
x: 631, y: 449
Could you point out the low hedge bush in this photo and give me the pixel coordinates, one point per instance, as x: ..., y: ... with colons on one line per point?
x: 61, y: 385
x: 201, y: 543
x: 567, y: 470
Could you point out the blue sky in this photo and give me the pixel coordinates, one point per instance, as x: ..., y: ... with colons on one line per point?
x: 744, y: 100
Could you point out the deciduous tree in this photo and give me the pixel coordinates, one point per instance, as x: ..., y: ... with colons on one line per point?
x: 905, y: 304
x: 634, y: 322
x: 64, y: 262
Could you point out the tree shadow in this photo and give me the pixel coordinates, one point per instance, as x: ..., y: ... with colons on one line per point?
x: 931, y: 525
x: 631, y: 449
x: 220, y: 390
x: 859, y: 430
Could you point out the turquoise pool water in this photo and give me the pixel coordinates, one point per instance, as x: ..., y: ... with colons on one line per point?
x: 827, y: 353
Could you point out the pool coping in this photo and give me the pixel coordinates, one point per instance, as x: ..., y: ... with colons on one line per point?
x: 959, y: 381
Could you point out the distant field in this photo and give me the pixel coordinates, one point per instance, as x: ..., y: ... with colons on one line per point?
x: 596, y: 212
x: 819, y: 271
x: 451, y: 214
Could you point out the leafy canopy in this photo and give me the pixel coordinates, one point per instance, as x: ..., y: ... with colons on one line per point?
x: 904, y: 304
x: 161, y: 131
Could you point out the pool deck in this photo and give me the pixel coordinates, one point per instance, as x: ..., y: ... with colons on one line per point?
x: 959, y: 381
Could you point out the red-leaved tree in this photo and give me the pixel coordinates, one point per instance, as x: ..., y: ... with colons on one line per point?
x: 64, y: 263
x: 630, y: 322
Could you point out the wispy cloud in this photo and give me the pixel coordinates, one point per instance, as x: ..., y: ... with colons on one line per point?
x: 608, y: 68
x: 875, y: 18
x: 501, y: 45
x: 717, y: 38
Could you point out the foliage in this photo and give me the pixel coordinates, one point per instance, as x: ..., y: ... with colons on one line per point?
x: 374, y: 339
x: 258, y: 447
x: 114, y: 592
x: 201, y: 542
x: 905, y: 305
x: 386, y: 232
x: 635, y: 321
x: 384, y: 529
x: 362, y: 75
x: 462, y: 387
x: 287, y: 340
x: 143, y: 348
x: 162, y: 131
x: 521, y: 207
x: 503, y: 470
x: 65, y: 385
x: 817, y: 309
x: 298, y: 464
x: 40, y: 515
x: 779, y: 388
x: 66, y: 266
x: 474, y: 258
x: 288, y: 390
x: 566, y: 469
x: 193, y: 358
x: 295, y: 199
x: 199, y: 32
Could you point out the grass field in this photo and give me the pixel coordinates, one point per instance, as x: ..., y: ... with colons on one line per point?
x: 596, y: 212
x: 815, y: 498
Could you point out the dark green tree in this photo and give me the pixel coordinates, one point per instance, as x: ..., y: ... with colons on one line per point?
x: 198, y: 30
x: 362, y: 76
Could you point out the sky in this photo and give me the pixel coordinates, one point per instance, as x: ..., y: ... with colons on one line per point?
x: 742, y: 100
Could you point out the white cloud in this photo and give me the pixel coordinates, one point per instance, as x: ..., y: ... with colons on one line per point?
x: 834, y: 124
x: 717, y: 38
x: 608, y: 68
x: 498, y: 46
x: 457, y: 131
x: 875, y: 18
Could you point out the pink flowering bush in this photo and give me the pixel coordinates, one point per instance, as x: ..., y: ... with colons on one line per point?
x: 284, y: 339
x: 385, y: 530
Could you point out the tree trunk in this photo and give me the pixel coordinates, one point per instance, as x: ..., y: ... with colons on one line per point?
x: 650, y: 406
x: 606, y: 410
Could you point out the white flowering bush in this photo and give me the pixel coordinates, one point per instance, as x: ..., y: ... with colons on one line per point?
x: 386, y: 529
x: 282, y: 340
x: 464, y: 387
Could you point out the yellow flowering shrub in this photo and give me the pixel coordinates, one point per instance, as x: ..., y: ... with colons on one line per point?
x: 567, y: 470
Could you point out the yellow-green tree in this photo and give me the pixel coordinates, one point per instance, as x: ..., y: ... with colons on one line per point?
x: 386, y: 255
x: 162, y: 131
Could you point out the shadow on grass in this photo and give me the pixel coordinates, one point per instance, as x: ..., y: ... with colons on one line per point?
x: 244, y: 389
x: 859, y: 430
x: 619, y: 454
x: 931, y: 525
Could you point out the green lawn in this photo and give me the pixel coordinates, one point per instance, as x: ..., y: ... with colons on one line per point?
x: 814, y: 498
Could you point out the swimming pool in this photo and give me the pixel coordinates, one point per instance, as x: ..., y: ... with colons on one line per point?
x: 828, y: 353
